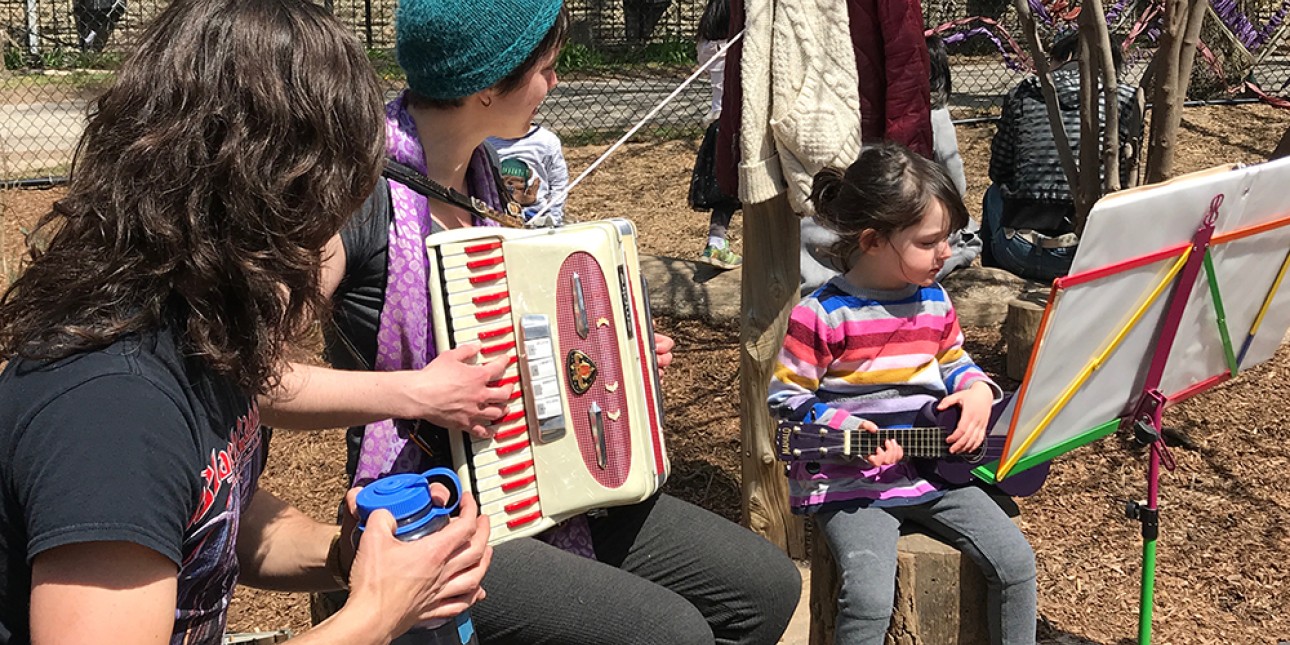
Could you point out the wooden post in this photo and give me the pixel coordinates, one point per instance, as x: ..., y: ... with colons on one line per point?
x: 769, y: 290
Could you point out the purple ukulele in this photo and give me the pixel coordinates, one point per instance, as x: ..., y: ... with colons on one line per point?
x: 816, y: 442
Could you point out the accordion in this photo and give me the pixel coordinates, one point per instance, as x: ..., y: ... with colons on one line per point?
x: 569, y: 309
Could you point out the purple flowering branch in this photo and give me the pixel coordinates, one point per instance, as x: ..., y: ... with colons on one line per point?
x: 1246, y: 33
x: 1273, y: 23
x: 1014, y: 56
x: 1230, y: 14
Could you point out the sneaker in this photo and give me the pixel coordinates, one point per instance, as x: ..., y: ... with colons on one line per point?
x: 721, y: 257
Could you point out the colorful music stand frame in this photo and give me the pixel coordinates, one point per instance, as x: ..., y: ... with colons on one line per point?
x: 1113, y: 349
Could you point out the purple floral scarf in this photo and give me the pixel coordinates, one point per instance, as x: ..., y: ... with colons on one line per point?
x: 404, y: 339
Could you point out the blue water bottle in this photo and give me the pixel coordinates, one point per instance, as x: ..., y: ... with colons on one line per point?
x: 407, y: 498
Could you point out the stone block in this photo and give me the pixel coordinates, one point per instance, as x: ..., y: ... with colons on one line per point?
x: 684, y: 289
x: 981, y: 294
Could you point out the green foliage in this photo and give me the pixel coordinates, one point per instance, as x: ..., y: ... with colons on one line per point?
x: 672, y: 51
x: 593, y: 136
x: 578, y: 57
x: 14, y: 58
x: 385, y: 64
x: 61, y: 58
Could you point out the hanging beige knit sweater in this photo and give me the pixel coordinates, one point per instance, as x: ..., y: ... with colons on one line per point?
x: 801, y: 98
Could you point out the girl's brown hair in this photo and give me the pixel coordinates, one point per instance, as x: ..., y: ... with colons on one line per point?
x: 887, y: 190
x: 234, y: 143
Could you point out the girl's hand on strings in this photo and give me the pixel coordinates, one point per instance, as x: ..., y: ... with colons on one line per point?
x: 975, y: 402
x: 887, y: 454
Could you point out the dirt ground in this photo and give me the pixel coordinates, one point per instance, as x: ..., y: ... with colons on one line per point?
x: 1224, y: 551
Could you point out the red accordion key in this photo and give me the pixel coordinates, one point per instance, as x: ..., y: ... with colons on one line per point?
x: 514, y: 468
x: 489, y: 297
x: 520, y: 505
x: 489, y: 313
x: 499, y: 347
x: 510, y: 434
x: 521, y: 521
x: 487, y: 277
x: 486, y: 246
x: 517, y: 484
x: 502, y: 451
x: 486, y: 262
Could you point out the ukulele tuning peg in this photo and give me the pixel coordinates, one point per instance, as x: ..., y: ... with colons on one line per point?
x: 797, y: 453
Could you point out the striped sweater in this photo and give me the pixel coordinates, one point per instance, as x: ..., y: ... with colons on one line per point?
x: 852, y: 353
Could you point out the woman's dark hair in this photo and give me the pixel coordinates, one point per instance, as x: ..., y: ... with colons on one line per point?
x: 941, y: 83
x: 714, y: 24
x: 887, y: 190
x: 553, y: 41
x: 232, y: 146
x: 1067, y: 45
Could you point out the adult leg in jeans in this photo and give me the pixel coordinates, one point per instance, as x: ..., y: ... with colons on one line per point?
x: 863, y: 542
x: 975, y: 524
x: 1015, y: 254
x: 666, y: 572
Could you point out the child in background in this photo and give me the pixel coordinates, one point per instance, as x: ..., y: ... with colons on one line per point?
x: 541, y: 151
x: 869, y: 349
x: 965, y: 244
x: 705, y: 194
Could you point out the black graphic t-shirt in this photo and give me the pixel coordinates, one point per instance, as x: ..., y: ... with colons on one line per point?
x: 130, y: 443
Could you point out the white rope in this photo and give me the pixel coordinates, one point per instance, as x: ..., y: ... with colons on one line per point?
x: 720, y: 55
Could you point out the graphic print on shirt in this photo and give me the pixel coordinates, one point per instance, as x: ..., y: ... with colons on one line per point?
x: 209, y: 570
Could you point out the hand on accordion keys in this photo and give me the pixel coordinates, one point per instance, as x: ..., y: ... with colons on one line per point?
x: 454, y: 391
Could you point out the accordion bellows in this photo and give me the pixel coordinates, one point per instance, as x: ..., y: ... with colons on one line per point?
x: 569, y: 307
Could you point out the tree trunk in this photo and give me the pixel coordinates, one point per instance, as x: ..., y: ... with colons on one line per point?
x: 1101, y: 38
x: 1018, y: 331
x: 1183, y: 20
x: 769, y: 289
x: 1090, y: 125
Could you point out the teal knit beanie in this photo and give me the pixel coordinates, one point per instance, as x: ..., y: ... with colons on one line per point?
x: 454, y: 48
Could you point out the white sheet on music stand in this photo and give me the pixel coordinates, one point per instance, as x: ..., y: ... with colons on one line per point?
x: 1086, y: 317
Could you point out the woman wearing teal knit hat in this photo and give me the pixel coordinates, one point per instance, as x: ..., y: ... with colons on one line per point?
x: 662, y: 571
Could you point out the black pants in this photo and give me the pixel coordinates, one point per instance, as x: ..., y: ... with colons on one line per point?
x: 666, y: 572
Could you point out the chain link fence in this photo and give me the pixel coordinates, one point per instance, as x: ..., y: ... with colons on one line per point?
x: 623, y: 58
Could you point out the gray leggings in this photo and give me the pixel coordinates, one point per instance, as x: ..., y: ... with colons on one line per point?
x: 863, y: 541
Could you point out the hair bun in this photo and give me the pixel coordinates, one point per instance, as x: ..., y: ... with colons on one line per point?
x: 825, y: 188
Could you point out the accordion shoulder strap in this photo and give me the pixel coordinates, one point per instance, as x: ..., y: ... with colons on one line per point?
x: 424, y: 185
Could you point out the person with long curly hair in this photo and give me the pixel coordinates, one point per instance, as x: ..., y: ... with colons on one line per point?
x: 157, y: 300
x: 659, y: 571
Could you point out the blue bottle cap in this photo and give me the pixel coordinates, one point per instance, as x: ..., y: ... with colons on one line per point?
x: 407, y: 498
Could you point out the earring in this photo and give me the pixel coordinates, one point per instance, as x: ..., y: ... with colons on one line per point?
x: 487, y: 101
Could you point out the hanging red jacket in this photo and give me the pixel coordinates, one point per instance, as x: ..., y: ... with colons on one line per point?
x: 732, y: 98
x: 892, y: 62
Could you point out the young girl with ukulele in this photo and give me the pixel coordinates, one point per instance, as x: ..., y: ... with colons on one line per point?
x: 869, y: 349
